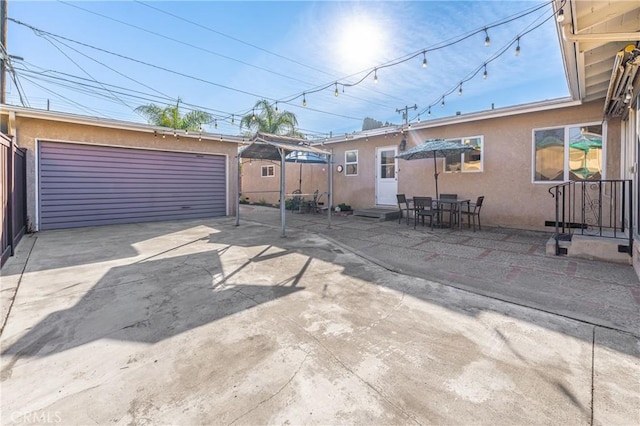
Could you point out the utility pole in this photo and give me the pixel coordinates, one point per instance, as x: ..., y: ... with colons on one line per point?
x: 405, y: 112
x: 4, y: 55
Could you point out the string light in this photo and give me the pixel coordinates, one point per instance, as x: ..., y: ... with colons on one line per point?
x: 233, y: 121
x: 460, y: 90
x: 424, y: 59
x: 429, y: 111
x: 304, y: 100
x: 253, y: 114
x: 442, y: 103
x: 163, y: 135
x: 186, y: 131
x: 215, y: 123
x: 277, y: 108
x: 560, y: 16
x: 375, y: 76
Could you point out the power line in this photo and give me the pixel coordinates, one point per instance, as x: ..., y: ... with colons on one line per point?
x: 210, y: 51
x: 287, y: 100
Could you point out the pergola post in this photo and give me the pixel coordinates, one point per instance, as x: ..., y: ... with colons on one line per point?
x: 330, y: 195
x: 282, y: 191
x: 239, y: 167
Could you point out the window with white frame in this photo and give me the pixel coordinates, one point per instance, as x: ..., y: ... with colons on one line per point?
x: 568, y: 153
x: 268, y: 171
x: 351, y: 162
x: 466, y: 162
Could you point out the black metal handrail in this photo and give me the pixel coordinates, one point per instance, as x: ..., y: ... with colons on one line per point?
x: 602, y: 208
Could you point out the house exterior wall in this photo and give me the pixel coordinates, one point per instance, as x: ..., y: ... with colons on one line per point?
x: 512, y: 199
x: 28, y: 130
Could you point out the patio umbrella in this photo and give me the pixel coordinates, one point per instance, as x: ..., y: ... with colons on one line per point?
x: 302, y: 158
x: 434, y: 148
x: 585, y: 143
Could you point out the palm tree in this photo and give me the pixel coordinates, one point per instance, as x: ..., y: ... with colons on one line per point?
x: 264, y: 118
x: 169, y: 116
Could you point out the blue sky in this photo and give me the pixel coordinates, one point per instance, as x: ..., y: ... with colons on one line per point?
x: 224, y: 56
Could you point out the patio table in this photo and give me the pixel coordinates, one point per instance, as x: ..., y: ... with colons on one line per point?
x: 458, y: 203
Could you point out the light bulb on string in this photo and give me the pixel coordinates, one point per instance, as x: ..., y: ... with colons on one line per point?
x: 460, y: 90
x: 518, y: 47
x: 560, y: 16
x: 429, y: 111
x: 442, y: 103
x: 277, y: 108
x: 487, y: 40
x: 253, y: 114
x: 375, y: 76
x: 484, y: 74
x: 304, y: 100
x: 335, y: 93
x: 424, y: 59
x: 233, y: 120
x: 215, y: 123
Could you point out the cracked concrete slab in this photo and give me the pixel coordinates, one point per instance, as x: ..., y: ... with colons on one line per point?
x: 202, y: 322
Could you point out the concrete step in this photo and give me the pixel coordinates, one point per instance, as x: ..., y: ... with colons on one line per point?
x: 379, y: 213
x: 593, y: 248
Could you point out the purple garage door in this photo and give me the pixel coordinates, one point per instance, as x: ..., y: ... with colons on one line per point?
x: 85, y: 185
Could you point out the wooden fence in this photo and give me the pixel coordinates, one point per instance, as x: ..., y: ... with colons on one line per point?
x: 13, y: 186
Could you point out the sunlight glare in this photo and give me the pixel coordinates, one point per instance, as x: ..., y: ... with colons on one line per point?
x: 360, y: 43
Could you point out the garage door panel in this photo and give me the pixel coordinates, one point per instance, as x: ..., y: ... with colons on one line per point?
x: 81, y: 200
x: 115, y: 221
x: 57, y: 209
x: 131, y: 211
x: 127, y: 164
x: 85, y: 171
x: 84, y: 185
x: 117, y: 184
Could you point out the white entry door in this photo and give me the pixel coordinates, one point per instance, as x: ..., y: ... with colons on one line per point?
x: 386, y: 176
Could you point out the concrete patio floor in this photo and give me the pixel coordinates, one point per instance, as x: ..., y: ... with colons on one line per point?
x: 202, y: 322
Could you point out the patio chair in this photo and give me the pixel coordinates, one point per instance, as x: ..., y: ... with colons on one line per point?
x: 473, y: 212
x: 296, y: 200
x: 449, y: 208
x: 403, y: 206
x: 312, y: 205
x: 422, y: 207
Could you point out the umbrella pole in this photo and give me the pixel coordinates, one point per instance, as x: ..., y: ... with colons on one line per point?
x: 435, y: 175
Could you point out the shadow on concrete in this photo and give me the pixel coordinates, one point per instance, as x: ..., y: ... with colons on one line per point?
x: 149, y: 301
x: 94, y: 245
x: 162, y: 296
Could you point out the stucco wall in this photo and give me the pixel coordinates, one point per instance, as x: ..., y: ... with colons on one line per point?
x: 28, y: 130
x: 512, y: 199
x: 256, y: 188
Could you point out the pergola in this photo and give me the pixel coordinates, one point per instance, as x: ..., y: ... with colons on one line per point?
x: 266, y: 146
